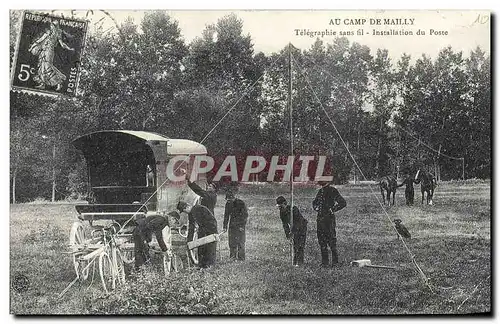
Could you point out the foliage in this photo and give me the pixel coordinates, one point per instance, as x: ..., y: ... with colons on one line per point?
x: 150, y: 293
x: 392, y: 113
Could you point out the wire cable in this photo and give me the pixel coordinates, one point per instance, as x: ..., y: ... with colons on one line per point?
x: 412, y: 256
x: 246, y: 91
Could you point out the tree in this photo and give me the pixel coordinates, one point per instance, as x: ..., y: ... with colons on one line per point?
x: 478, y: 112
x: 131, y: 78
x: 221, y: 63
x: 383, y: 98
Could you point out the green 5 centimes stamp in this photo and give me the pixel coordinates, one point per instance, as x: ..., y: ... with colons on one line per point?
x: 48, y: 54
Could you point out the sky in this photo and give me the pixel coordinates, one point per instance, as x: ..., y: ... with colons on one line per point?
x: 272, y: 30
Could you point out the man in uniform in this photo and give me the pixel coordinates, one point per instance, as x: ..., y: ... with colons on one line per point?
x: 236, y: 215
x: 143, y: 235
x: 409, y: 190
x: 208, y: 197
x: 207, y: 224
x: 328, y: 200
x: 297, y: 231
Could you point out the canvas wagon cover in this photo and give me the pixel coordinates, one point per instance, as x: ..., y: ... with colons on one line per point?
x: 163, y: 148
x: 174, y: 146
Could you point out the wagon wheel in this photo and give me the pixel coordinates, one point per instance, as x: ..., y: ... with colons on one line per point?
x: 183, y: 231
x: 167, y: 263
x: 106, y: 272
x: 128, y: 255
x: 193, y: 253
x: 119, y: 266
x: 177, y: 263
x: 168, y: 256
x: 127, y: 252
x: 77, y: 238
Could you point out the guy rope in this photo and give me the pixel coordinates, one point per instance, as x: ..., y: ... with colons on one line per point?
x: 247, y: 90
x: 291, y: 142
x: 424, y: 278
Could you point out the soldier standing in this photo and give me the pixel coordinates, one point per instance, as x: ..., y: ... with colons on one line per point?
x: 328, y: 200
x: 298, y: 230
x: 236, y: 215
x: 409, y: 190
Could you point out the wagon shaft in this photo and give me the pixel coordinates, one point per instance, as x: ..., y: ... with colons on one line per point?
x: 84, y: 247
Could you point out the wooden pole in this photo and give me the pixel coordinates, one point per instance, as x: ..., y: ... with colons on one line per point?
x: 463, y: 169
x: 54, y: 172
x: 291, y: 139
x: 14, y: 185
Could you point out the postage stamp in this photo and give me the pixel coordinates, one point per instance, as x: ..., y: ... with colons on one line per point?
x: 48, y: 54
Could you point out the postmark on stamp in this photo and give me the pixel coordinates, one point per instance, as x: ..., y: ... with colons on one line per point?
x: 48, y: 54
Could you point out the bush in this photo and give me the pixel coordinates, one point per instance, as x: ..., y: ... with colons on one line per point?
x: 147, y: 292
x: 469, y: 181
x: 38, y: 201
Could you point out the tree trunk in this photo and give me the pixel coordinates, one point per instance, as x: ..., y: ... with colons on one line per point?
x: 54, y: 172
x: 14, y: 186
x: 418, y: 149
x: 436, y: 168
x: 357, y: 150
x: 438, y: 174
x: 398, y: 157
x: 379, y: 148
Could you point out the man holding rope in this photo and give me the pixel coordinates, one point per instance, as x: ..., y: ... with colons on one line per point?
x: 328, y: 200
x: 297, y: 232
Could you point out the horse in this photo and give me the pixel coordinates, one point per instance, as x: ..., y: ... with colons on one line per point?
x: 427, y: 184
x: 389, y: 185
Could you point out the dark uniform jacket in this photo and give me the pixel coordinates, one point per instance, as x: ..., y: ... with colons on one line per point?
x: 235, y: 214
x: 208, y: 198
x: 149, y: 225
x: 328, y: 200
x: 207, y: 224
x: 409, y: 181
x: 299, y: 222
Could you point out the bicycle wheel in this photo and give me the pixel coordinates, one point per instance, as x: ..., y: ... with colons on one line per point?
x: 77, y: 238
x: 106, y: 272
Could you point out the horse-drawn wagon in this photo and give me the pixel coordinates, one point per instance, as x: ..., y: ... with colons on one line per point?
x: 128, y: 179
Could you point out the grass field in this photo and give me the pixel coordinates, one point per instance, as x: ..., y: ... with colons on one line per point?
x: 451, y: 242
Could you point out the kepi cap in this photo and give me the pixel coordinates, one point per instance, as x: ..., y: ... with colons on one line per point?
x: 280, y: 200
